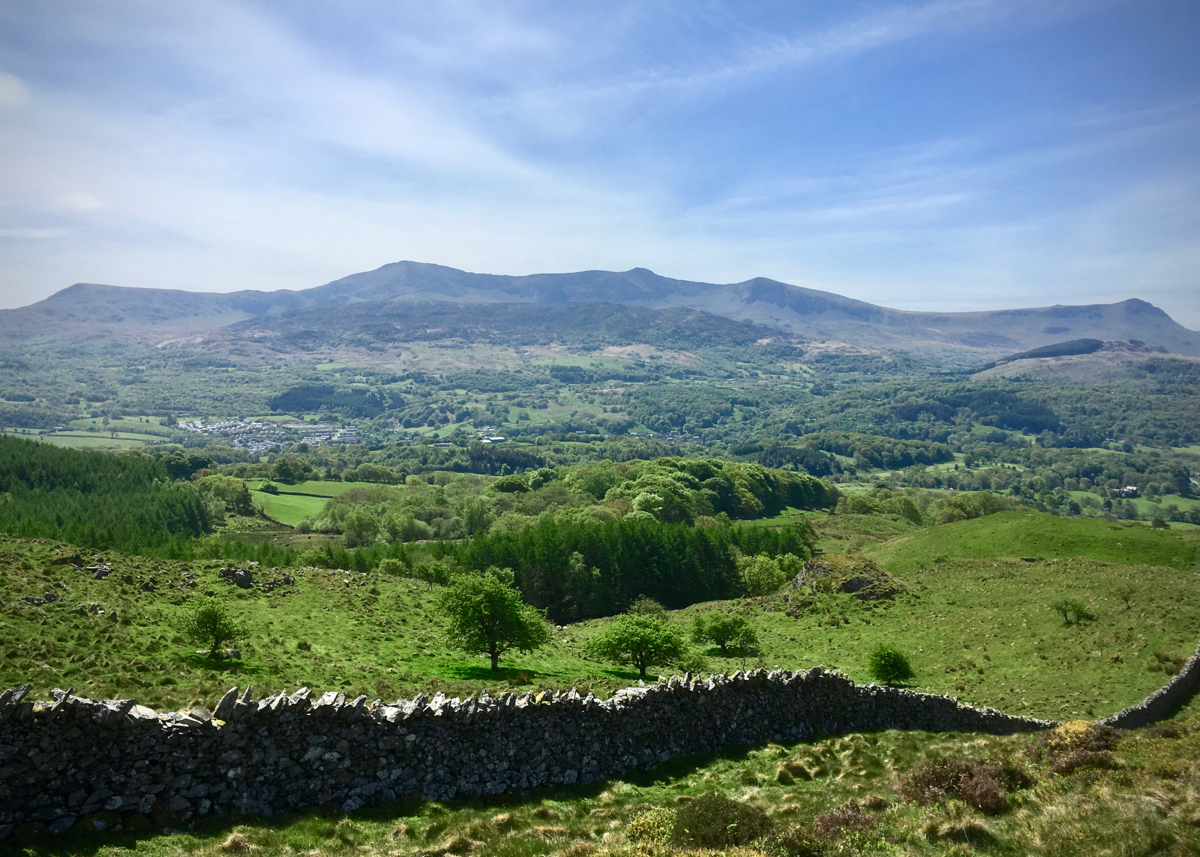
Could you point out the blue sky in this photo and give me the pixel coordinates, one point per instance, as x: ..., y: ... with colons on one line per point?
x: 954, y: 154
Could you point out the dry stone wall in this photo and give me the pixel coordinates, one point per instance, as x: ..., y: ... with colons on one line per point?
x: 97, y: 763
x: 1163, y: 701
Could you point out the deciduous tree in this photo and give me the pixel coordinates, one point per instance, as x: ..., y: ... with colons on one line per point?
x: 486, y: 616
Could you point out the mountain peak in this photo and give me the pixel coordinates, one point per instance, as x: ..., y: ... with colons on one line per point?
x: 89, y: 309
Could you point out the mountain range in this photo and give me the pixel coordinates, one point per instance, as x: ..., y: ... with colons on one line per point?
x: 87, y: 311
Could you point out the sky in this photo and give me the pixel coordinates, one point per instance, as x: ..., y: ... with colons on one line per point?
x: 942, y: 155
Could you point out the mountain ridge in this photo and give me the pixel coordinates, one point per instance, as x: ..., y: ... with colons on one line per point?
x: 95, y: 310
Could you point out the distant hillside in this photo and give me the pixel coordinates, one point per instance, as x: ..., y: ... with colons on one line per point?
x: 1101, y: 362
x: 371, y: 323
x: 93, y: 311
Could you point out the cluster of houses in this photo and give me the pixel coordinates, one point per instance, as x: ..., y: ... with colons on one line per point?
x: 261, y: 437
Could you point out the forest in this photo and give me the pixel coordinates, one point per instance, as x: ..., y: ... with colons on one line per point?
x: 95, y: 499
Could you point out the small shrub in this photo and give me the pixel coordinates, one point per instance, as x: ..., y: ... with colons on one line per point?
x: 1070, y: 762
x: 653, y: 826
x: 714, y: 821
x: 1169, y: 662
x: 889, y: 665
x: 644, y: 606
x: 391, y: 566
x: 237, y: 843
x: 797, y: 841
x: 977, y: 784
x: 844, y: 820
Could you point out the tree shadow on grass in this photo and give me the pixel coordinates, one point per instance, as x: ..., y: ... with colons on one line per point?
x: 482, y: 672
x: 227, y: 666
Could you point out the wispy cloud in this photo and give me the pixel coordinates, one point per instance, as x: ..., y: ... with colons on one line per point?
x: 233, y: 144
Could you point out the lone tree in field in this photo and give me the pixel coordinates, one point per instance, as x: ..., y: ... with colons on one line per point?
x: 1072, y: 610
x: 211, y: 624
x: 889, y: 665
x: 487, y: 616
x: 730, y: 634
x: 639, y: 639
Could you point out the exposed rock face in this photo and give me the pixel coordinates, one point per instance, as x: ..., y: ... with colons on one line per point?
x: 852, y: 574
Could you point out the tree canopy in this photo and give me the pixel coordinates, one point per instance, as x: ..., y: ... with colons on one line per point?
x: 641, y: 640
x: 486, y: 616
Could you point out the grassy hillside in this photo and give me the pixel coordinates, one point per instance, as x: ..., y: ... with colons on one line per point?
x: 976, y: 625
x: 981, y: 629
x: 1031, y: 534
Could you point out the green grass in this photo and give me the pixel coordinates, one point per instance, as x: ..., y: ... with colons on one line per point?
x: 367, y: 633
x: 96, y: 441
x: 978, y: 628
x: 147, y: 425
x: 853, y: 533
x: 1143, y: 803
x: 317, y: 488
x: 1032, y: 534
x: 303, y: 500
x: 1184, y: 503
x: 289, y: 509
x: 974, y: 620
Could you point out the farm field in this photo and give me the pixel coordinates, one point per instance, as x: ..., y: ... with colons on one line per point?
x: 302, y: 500
x: 88, y: 440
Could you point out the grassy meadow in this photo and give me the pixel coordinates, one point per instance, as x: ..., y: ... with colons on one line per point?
x: 293, y: 503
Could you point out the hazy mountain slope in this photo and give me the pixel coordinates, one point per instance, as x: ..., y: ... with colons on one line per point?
x: 368, y: 324
x: 91, y: 310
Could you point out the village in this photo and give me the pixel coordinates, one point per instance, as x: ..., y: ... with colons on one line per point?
x: 260, y: 436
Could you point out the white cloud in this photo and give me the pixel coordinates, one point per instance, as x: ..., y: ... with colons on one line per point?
x: 13, y: 92
x: 232, y: 148
x: 81, y: 202
x: 32, y: 234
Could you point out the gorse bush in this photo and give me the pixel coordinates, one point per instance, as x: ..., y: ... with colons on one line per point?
x: 715, y: 821
x: 653, y: 826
